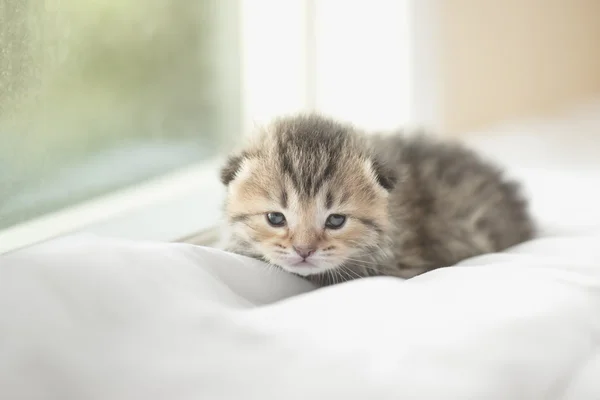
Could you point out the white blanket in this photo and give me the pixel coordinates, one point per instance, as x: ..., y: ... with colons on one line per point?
x: 90, y: 318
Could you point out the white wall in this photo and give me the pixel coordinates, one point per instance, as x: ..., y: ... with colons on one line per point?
x: 511, y: 59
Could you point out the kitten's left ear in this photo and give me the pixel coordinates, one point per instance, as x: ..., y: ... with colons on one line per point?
x: 386, y: 177
x: 230, y: 169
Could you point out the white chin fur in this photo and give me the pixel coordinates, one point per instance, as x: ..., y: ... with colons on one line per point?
x: 307, y: 270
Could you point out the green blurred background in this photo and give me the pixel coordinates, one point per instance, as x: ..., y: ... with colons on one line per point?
x: 97, y: 95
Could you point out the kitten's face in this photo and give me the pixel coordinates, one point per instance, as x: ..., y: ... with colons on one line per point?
x: 307, y: 234
x: 307, y: 198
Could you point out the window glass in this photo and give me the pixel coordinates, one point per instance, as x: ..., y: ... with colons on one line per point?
x: 98, y: 95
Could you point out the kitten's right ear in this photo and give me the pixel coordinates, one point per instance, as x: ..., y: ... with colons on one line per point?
x: 386, y: 177
x: 231, y: 168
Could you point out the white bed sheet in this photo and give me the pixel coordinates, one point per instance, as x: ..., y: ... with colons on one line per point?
x: 94, y: 318
x: 91, y: 318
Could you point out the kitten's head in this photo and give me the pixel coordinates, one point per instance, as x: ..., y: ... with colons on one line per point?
x: 308, y: 195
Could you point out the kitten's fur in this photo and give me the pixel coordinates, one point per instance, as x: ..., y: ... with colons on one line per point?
x: 413, y: 204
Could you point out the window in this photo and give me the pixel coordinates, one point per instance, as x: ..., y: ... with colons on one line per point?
x: 113, y: 115
x: 97, y: 96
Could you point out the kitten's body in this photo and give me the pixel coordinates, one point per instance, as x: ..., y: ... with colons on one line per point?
x: 410, y: 203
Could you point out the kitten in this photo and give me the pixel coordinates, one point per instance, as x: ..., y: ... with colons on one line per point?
x: 323, y: 200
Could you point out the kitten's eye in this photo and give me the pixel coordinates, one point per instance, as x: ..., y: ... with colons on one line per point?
x: 276, y: 219
x: 335, y: 221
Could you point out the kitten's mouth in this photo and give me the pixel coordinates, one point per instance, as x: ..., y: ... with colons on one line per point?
x: 303, y: 263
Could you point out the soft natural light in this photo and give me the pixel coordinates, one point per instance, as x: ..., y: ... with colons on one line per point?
x: 363, y: 61
x: 274, y: 63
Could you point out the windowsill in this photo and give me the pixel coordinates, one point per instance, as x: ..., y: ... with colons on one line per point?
x: 168, y: 208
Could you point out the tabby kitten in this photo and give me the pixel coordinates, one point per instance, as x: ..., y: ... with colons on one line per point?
x: 323, y: 200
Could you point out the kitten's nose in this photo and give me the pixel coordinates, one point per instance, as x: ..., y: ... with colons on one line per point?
x: 304, y: 251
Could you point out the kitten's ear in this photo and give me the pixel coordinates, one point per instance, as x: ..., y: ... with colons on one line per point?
x: 386, y: 177
x: 231, y: 168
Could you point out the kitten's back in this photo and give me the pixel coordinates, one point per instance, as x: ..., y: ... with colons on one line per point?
x: 449, y: 204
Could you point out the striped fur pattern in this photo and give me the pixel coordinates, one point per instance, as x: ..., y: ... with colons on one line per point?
x: 410, y: 203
